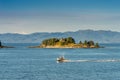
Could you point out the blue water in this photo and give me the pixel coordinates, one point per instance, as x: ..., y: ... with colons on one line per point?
x: 22, y: 63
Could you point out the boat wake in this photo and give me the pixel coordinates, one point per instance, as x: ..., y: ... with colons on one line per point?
x: 107, y: 60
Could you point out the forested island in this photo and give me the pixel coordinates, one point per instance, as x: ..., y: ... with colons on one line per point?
x: 66, y: 43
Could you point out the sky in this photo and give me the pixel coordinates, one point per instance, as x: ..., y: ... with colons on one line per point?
x: 29, y: 16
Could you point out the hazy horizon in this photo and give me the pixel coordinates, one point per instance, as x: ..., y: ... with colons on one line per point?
x: 56, y: 32
x: 29, y: 16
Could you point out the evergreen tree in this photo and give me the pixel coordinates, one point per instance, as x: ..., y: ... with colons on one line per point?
x: 80, y: 42
x: 85, y: 42
x: 90, y: 43
x: 97, y: 45
x: 70, y: 40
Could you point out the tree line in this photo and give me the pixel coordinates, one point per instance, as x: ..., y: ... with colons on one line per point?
x: 54, y: 41
x: 66, y: 41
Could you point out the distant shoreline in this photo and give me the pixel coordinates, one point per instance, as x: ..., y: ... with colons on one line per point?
x: 6, y: 47
x: 1, y: 46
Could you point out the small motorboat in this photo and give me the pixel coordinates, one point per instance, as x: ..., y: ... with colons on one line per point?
x: 62, y: 59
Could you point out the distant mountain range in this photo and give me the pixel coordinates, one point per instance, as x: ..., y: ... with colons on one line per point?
x: 100, y: 36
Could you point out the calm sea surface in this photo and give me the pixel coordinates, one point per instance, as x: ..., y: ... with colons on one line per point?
x: 22, y: 63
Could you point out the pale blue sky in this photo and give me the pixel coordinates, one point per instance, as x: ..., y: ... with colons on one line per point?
x: 28, y: 16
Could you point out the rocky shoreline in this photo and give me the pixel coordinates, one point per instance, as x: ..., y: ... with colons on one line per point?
x: 63, y: 47
x: 1, y: 46
x: 6, y: 47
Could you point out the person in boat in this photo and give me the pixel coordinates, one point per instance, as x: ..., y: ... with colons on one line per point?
x: 61, y: 58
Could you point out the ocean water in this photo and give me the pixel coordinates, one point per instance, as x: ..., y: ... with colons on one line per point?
x: 22, y: 63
